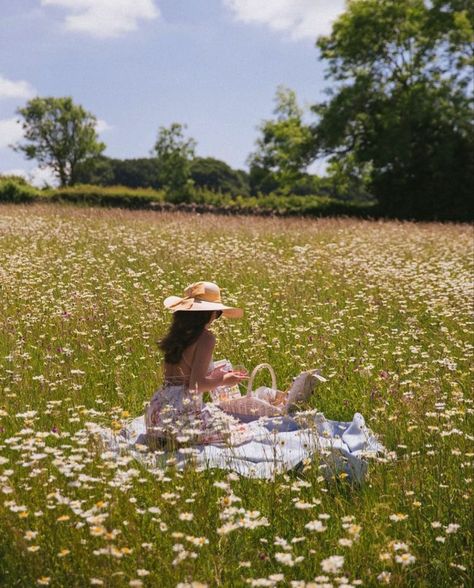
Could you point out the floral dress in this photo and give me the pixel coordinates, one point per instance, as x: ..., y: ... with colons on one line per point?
x: 176, y: 413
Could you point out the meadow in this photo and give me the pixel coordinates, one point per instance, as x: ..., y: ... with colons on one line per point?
x: 383, y: 308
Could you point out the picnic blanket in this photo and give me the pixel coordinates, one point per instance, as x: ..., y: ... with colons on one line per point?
x: 270, y: 446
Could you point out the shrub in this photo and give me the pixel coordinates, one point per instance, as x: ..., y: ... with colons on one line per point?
x: 14, y: 178
x: 107, y: 196
x: 16, y: 190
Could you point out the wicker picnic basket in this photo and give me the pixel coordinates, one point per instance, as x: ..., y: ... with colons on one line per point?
x: 249, y: 407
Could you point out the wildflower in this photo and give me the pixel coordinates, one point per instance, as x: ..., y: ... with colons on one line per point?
x: 315, y: 526
x: 405, y: 559
x: 399, y: 546
x: 384, y: 577
x: 43, y: 581
x: 332, y: 564
x: 398, y: 517
x: 354, y: 530
x: 458, y: 566
x: 452, y: 528
x: 301, y: 505
x: 287, y: 559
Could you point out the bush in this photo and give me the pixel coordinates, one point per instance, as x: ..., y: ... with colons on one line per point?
x: 198, y: 200
x: 14, y: 178
x: 107, y: 196
x: 294, y: 205
x: 16, y: 190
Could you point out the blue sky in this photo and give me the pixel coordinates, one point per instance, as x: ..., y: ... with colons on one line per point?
x: 213, y: 65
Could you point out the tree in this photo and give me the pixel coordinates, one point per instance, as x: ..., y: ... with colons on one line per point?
x: 214, y: 174
x: 282, y: 153
x: 346, y: 179
x: 174, y: 154
x: 59, y: 135
x: 98, y: 171
x: 402, y: 104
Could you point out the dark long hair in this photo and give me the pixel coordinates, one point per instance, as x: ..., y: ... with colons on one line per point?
x: 183, y: 332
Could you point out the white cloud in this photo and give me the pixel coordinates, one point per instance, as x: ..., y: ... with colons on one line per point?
x: 11, y: 89
x: 105, y: 18
x: 10, y: 132
x: 301, y: 19
x: 102, y: 126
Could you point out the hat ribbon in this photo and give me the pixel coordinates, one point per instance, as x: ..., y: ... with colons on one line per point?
x: 187, y: 301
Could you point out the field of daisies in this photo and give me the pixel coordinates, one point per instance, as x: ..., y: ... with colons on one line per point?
x: 383, y: 309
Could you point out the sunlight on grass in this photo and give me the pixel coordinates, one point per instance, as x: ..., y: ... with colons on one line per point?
x: 384, y: 309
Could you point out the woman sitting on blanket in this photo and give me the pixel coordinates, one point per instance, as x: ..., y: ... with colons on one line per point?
x: 176, y: 409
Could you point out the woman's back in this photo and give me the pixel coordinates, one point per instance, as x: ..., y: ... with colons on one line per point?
x: 180, y: 373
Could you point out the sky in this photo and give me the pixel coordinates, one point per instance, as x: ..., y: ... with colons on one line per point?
x: 213, y: 65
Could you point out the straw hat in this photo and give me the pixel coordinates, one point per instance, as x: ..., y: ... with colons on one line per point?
x: 202, y: 296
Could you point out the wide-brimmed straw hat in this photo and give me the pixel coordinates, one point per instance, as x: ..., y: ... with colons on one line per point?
x: 202, y: 296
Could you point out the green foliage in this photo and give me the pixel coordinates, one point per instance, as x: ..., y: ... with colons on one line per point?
x: 59, y: 135
x: 98, y: 171
x: 134, y: 173
x: 214, y: 174
x: 282, y: 153
x: 202, y: 200
x: 106, y: 196
x: 347, y: 179
x: 174, y: 154
x: 14, y: 178
x: 205, y: 172
x: 402, y: 105
x: 16, y: 189
x: 308, y: 205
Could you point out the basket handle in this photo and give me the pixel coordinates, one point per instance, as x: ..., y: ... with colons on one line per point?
x: 256, y: 369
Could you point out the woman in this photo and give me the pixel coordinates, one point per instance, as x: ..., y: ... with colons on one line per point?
x: 176, y: 410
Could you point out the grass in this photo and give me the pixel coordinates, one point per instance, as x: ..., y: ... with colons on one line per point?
x: 384, y: 309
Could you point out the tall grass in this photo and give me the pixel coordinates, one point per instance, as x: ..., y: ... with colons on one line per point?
x: 384, y: 309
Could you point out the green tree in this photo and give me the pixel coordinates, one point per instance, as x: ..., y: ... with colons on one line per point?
x: 216, y: 175
x: 347, y: 179
x: 402, y: 103
x: 59, y: 135
x: 98, y: 171
x: 282, y: 155
x: 174, y: 154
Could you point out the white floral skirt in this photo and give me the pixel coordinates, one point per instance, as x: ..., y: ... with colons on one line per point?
x: 176, y: 414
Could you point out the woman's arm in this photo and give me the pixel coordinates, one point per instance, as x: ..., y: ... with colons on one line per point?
x: 199, y: 381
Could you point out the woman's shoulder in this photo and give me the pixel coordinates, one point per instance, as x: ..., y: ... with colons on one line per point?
x: 207, y: 336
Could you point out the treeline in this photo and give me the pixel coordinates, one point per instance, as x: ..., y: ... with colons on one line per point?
x: 397, y: 127
x: 212, y: 174
x: 208, y: 172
